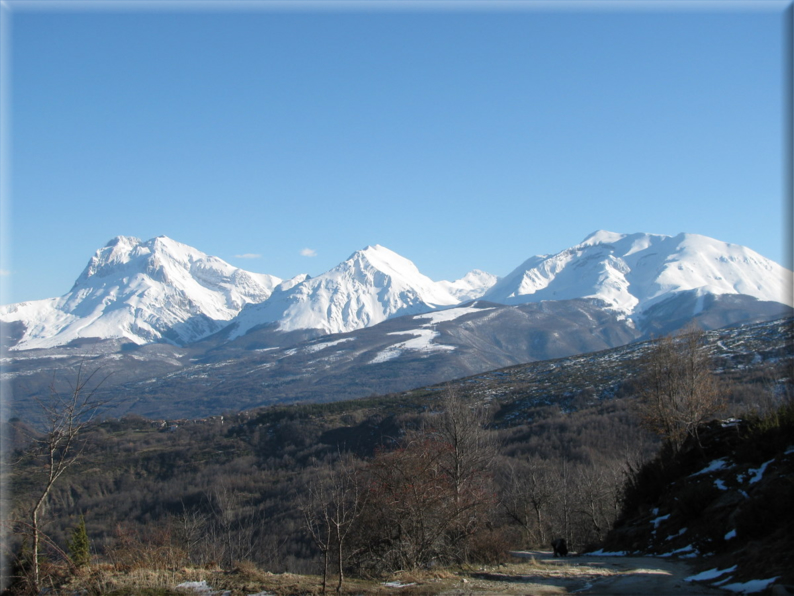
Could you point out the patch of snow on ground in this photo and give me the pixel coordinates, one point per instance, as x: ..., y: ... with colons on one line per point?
x: 710, y: 574
x: 680, y: 532
x: 602, y: 553
x: 659, y: 520
x: 751, y: 587
x: 720, y: 484
x: 683, y: 552
x: 397, y: 584
x: 758, y: 473
x: 722, y: 581
x: 730, y: 535
x: 717, y: 464
x: 202, y: 588
x: 790, y: 450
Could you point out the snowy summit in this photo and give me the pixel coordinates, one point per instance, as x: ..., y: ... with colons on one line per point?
x: 632, y: 272
x: 369, y: 287
x: 142, y: 292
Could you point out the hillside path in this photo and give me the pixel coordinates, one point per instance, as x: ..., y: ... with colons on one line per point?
x: 545, y: 575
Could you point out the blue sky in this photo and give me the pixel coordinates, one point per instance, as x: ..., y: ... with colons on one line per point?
x: 460, y: 137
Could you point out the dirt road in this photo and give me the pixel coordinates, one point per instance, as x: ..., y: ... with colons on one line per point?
x: 543, y: 575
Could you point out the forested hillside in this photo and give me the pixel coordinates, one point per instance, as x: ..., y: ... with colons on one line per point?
x: 447, y: 475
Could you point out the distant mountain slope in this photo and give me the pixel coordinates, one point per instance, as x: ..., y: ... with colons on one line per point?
x: 631, y: 273
x: 142, y: 292
x: 471, y: 286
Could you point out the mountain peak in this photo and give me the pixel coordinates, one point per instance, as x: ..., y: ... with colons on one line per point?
x: 372, y: 285
x: 633, y: 272
x: 142, y: 292
x: 123, y: 241
x: 377, y: 252
x: 602, y: 237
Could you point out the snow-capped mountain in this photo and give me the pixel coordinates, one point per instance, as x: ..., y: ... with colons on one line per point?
x: 372, y: 285
x: 633, y: 272
x: 142, y: 292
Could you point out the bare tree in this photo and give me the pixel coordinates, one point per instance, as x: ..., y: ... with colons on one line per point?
x: 597, y: 491
x: 232, y: 528
x: 466, y: 458
x: 191, y: 524
x: 527, y: 497
x: 333, y: 505
x: 431, y: 495
x: 65, y: 417
x: 678, y: 390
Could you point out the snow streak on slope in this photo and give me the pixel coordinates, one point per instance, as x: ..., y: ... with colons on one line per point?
x: 371, y: 286
x: 632, y: 272
x: 142, y: 292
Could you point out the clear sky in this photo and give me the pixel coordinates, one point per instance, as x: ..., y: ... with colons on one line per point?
x: 282, y: 139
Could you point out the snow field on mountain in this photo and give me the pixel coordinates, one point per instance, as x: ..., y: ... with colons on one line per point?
x: 423, y: 340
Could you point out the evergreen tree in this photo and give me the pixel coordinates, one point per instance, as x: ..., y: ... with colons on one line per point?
x: 78, y: 545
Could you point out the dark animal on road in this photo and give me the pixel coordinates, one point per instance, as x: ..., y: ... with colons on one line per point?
x: 559, y: 546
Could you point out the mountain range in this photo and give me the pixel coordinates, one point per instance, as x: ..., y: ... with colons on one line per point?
x: 173, y: 323
x: 162, y: 290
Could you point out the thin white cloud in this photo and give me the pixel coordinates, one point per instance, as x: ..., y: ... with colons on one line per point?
x: 4, y: 272
x: 308, y: 252
x: 248, y: 255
